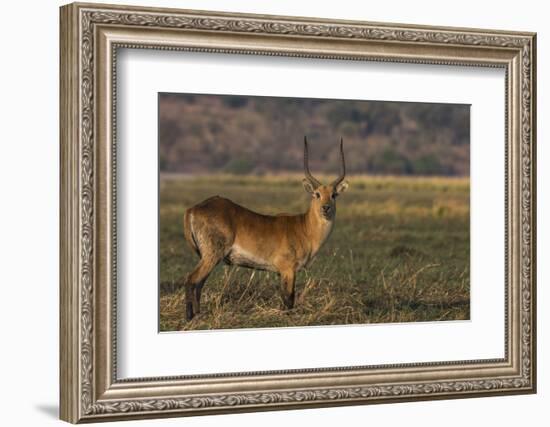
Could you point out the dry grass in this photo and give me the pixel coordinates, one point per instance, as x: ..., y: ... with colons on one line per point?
x: 399, y: 253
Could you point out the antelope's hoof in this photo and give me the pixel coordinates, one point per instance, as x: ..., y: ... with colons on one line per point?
x: 288, y: 306
x: 189, y: 311
x: 289, y: 302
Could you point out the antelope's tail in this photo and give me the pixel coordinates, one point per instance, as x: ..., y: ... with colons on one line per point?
x: 188, y: 231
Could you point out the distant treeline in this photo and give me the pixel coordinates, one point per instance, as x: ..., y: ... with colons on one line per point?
x: 251, y: 134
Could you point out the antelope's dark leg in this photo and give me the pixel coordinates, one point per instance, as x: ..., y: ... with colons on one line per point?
x: 189, y: 301
x: 198, y: 292
x: 194, y: 283
x: 288, y: 278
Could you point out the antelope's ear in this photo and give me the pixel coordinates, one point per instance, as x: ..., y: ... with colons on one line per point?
x: 340, y: 188
x: 308, y: 186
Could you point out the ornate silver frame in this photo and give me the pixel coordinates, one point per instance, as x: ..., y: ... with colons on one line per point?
x: 90, y: 36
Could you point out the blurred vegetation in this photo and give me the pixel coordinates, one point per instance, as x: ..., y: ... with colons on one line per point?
x: 399, y: 252
x: 252, y: 134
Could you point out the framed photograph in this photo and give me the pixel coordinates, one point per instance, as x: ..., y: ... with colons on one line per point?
x: 265, y: 212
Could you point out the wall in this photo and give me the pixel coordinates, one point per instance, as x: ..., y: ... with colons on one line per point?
x: 29, y: 170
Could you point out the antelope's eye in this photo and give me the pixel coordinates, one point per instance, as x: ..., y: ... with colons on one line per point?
x: 334, y: 195
x: 317, y: 195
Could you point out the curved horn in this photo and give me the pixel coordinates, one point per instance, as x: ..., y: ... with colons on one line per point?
x: 308, y: 174
x: 342, y: 165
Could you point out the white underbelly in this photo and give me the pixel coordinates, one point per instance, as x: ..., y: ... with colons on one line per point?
x: 242, y: 257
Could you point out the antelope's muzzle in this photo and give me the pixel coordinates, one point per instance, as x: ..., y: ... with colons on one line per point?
x: 326, y: 210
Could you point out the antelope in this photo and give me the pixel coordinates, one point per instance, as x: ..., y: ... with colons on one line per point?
x: 219, y: 229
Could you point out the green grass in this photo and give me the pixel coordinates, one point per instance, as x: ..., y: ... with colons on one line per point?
x: 399, y: 252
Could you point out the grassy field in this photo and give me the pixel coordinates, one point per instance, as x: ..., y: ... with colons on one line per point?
x: 399, y: 252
